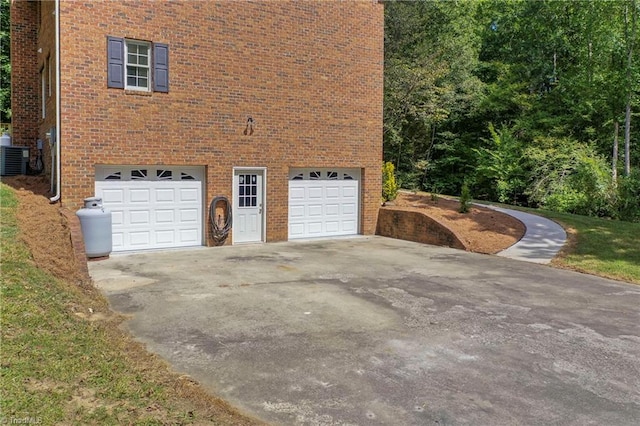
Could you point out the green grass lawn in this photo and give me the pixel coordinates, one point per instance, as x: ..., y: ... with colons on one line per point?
x: 65, y: 361
x: 608, y: 248
x: 603, y: 247
x: 596, y: 246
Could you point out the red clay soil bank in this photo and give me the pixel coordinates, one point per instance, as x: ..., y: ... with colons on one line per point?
x: 481, y: 230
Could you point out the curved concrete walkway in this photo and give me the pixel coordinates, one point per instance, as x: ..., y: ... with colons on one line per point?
x: 541, y: 242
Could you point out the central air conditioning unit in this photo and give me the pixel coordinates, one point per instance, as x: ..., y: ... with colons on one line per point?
x: 14, y: 160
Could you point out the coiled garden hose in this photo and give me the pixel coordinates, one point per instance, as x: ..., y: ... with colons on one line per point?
x: 220, y: 226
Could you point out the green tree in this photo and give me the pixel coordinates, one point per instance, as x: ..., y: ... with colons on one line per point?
x: 499, y: 171
x: 430, y: 54
x: 557, y: 78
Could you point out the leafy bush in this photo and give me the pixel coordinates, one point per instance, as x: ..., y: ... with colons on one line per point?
x: 628, y: 203
x: 565, y: 200
x: 389, y: 184
x: 568, y: 176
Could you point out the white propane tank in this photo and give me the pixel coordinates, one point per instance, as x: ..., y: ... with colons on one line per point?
x: 5, y: 139
x: 95, y: 222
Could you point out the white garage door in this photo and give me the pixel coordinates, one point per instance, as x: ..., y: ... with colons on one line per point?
x: 323, y: 202
x: 152, y: 207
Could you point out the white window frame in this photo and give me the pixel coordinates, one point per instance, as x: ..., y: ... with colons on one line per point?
x: 127, y: 64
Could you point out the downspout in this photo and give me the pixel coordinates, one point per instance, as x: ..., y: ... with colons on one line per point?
x: 58, y: 119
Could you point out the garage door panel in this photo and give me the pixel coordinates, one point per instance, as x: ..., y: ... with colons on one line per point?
x: 167, y: 195
x: 117, y: 239
x: 315, y: 192
x: 139, y: 195
x: 165, y: 216
x: 113, y: 196
x: 188, y: 235
x: 349, y: 226
x: 332, y: 209
x: 153, y: 214
x: 140, y: 238
x: 117, y: 217
x: 314, y: 210
x: 139, y: 217
x: 332, y: 192
x: 188, y: 216
x: 189, y: 195
x: 350, y: 191
x: 349, y: 209
x: 332, y: 226
x: 297, y: 193
x: 296, y: 212
x: 165, y: 237
x: 315, y: 228
x: 296, y: 230
x: 319, y: 208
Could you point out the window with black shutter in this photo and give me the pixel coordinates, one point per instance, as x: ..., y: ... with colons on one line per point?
x: 137, y: 65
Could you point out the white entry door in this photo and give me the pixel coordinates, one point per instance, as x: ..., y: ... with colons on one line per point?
x: 248, y: 206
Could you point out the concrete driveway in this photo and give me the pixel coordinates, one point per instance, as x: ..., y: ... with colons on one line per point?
x: 369, y: 331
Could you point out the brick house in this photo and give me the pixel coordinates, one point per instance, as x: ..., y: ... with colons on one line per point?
x: 165, y: 105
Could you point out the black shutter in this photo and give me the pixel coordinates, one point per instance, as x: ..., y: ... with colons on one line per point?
x: 115, y: 62
x: 160, y: 67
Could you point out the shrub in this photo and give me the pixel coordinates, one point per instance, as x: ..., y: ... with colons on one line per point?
x: 566, y: 200
x: 389, y: 184
x: 628, y: 203
x: 569, y: 176
x: 465, y: 199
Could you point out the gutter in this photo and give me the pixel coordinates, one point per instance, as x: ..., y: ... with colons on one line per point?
x: 58, y: 119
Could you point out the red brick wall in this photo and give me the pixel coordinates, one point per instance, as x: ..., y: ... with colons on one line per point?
x: 415, y: 226
x: 308, y: 72
x: 25, y: 108
x: 32, y: 42
x: 47, y: 63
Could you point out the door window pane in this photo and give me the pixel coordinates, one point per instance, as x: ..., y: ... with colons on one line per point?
x: 247, y: 190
